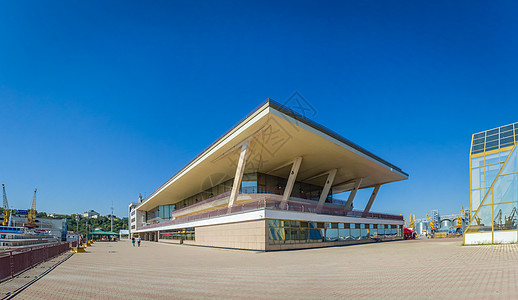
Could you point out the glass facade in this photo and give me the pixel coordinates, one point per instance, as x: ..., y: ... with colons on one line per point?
x: 298, y: 232
x: 252, y: 183
x: 493, y: 139
x: 494, y: 180
x: 160, y: 213
x: 178, y: 234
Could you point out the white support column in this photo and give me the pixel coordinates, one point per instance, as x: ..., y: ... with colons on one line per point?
x: 291, y: 181
x: 349, y: 203
x: 239, y: 174
x: 327, y: 187
x: 371, y: 200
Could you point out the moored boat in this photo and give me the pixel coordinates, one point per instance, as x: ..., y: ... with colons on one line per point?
x: 12, y: 237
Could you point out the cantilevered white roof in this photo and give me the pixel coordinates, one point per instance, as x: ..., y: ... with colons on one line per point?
x: 277, y: 135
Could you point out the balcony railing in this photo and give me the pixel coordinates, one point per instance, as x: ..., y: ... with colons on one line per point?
x: 274, y: 204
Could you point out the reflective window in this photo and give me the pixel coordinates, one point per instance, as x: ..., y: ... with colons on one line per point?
x: 477, y: 178
x: 492, y: 159
x: 332, y: 235
x: 344, y: 234
x: 505, y: 189
x: 477, y: 162
x: 355, y: 234
x: 504, y: 155
x: 491, y: 172
x: 178, y: 234
x: 482, y: 221
x: 476, y: 198
x: 511, y: 165
x: 364, y: 233
x: 504, y: 216
x: 289, y: 232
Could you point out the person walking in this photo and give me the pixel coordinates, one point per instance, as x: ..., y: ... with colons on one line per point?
x: 133, y: 241
x: 138, y: 240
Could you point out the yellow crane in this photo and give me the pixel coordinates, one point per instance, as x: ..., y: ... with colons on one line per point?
x: 31, y: 216
x: 7, y: 211
x: 412, y: 221
x: 511, y: 220
x: 430, y: 221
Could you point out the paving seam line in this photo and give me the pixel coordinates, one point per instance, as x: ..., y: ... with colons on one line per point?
x: 23, y: 287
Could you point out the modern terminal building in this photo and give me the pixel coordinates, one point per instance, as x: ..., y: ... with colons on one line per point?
x: 269, y: 183
x: 494, y: 185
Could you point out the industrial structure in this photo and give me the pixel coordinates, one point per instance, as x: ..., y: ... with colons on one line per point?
x: 27, y: 218
x: 451, y: 224
x: 269, y: 183
x: 31, y: 216
x: 494, y: 186
x: 6, y: 210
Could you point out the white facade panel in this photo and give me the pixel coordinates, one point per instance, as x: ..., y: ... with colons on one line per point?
x: 505, y: 237
x: 478, y: 238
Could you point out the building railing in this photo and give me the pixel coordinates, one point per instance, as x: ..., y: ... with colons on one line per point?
x: 15, y: 261
x: 274, y: 204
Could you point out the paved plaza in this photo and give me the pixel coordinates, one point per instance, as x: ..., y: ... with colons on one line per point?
x: 389, y: 270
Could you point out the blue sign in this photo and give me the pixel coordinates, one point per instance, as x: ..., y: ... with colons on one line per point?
x: 22, y: 211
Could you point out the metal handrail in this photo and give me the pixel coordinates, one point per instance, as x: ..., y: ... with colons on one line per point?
x: 31, y: 256
x: 274, y: 204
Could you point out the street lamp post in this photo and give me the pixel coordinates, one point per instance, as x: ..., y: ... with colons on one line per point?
x: 77, y: 230
x: 86, y: 227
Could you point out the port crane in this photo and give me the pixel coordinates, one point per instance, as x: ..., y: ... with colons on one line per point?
x: 511, y: 220
x: 497, y: 221
x: 411, y: 222
x: 7, y: 211
x: 432, y: 224
x: 31, y: 216
x: 458, y: 228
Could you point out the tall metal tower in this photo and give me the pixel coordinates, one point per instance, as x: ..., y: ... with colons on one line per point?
x: 436, y: 217
x: 111, y: 219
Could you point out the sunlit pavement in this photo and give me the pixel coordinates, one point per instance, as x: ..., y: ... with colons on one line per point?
x: 403, y: 269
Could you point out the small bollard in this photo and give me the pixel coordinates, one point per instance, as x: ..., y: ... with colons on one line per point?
x: 181, y: 241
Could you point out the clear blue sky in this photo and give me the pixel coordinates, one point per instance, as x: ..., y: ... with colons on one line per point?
x: 101, y: 101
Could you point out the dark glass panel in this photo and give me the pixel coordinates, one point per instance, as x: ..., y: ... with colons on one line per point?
x: 506, y: 144
x: 492, y: 131
x: 492, y: 144
x: 478, y: 147
x: 506, y: 134
x: 506, y: 128
x: 478, y: 141
x: 477, y: 151
x: 491, y: 138
x: 479, y: 135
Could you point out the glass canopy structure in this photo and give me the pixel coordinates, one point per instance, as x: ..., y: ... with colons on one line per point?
x: 494, y: 187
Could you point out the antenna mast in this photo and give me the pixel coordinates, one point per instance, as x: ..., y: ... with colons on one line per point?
x: 111, y: 218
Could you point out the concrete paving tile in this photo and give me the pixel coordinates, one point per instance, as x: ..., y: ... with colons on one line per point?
x: 392, y: 270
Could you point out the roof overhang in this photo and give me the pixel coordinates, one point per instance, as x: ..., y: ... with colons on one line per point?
x: 276, y: 136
